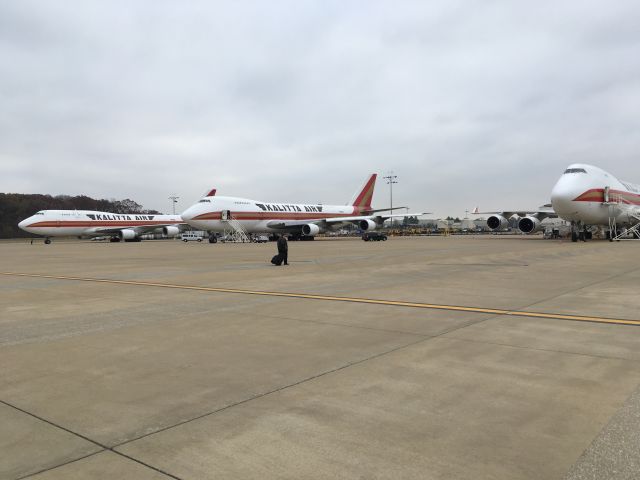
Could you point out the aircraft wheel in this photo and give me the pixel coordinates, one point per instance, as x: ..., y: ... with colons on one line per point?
x: 47, y: 241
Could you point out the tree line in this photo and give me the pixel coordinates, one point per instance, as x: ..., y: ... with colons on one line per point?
x: 15, y: 207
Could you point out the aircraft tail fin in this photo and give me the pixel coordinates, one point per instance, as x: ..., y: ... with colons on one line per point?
x: 362, y: 198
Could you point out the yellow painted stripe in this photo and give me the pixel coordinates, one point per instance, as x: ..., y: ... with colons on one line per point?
x: 371, y: 301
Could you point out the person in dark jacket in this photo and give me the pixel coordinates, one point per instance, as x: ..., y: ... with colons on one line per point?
x: 283, y: 249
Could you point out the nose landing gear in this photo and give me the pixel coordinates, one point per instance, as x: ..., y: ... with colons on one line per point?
x: 47, y: 241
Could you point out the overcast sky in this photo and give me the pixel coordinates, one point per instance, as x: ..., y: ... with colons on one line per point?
x: 468, y: 102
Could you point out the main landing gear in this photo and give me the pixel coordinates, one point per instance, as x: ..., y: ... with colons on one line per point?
x: 580, y: 232
x: 47, y: 241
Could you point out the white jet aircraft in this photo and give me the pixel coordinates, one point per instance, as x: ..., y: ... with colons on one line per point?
x: 588, y: 196
x: 214, y: 213
x: 87, y: 223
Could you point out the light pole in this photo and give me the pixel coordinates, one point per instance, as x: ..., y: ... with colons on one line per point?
x: 391, y: 179
x: 174, y: 200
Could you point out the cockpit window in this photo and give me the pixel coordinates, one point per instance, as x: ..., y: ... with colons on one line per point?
x: 204, y: 200
x: 575, y: 170
x: 40, y: 213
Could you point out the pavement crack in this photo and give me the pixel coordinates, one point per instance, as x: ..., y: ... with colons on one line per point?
x: 537, y: 349
x: 59, y: 465
x: 300, y: 382
x: 103, y: 448
x: 273, y: 391
x: 581, y: 287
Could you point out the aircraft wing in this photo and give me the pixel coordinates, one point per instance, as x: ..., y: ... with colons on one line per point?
x: 384, y: 210
x: 540, y: 214
x: 338, y: 220
x: 140, y: 230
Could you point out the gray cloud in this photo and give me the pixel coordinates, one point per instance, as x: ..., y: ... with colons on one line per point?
x: 469, y: 103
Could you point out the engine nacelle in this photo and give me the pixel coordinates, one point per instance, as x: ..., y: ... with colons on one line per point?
x: 127, y: 234
x: 529, y: 224
x: 310, y: 230
x: 367, y: 224
x: 170, y: 231
x: 497, y: 222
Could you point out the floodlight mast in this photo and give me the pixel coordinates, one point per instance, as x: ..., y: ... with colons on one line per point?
x: 391, y: 179
x: 174, y: 200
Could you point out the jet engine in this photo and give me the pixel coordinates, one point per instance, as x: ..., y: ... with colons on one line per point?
x: 127, y: 234
x: 529, y: 224
x: 367, y: 224
x: 170, y: 231
x: 310, y: 229
x: 497, y: 222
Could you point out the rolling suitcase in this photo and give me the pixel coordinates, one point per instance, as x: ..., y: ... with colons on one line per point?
x: 277, y: 260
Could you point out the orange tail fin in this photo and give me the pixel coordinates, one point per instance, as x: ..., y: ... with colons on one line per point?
x: 362, y: 198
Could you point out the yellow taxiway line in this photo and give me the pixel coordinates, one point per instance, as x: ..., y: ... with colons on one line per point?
x: 331, y: 298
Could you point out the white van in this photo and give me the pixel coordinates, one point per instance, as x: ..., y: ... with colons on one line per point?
x: 192, y: 236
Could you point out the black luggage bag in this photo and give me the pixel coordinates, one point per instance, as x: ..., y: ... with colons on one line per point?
x: 277, y: 260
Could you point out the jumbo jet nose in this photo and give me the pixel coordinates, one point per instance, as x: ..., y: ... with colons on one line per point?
x: 565, y: 191
x: 24, y: 224
x: 561, y: 196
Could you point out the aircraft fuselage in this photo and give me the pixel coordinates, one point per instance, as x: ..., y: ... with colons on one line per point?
x: 211, y: 213
x: 590, y: 195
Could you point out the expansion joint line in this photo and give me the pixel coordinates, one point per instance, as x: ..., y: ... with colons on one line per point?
x: 101, y: 446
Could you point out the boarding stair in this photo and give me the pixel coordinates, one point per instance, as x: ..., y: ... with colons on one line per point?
x: 236, y: 232
x: 614, y: 203
x: 618, y: 207
x: 634, y: 230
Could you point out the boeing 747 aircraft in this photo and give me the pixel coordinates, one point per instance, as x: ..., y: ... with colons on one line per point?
x: 586, y: 196
x: 214, y: 213
x: 87, y: 223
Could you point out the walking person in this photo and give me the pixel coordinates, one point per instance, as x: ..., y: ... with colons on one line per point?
x: 283, y: 249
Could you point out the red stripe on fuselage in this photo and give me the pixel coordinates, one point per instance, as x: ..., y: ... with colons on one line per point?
x: 615, y: 196
x: 99, y: 223
x: 275, y: 215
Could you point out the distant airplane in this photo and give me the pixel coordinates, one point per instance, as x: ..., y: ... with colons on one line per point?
x: 213, y: 213
x: 586, y: 196
x: 87, y: 223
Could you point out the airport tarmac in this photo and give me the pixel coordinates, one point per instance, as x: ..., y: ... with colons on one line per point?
x: 471, y: 357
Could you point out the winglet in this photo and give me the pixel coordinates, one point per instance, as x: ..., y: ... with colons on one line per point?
x: 362, y: 198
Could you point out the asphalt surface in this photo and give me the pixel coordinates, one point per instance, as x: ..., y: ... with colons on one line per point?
x: 431, y: 358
